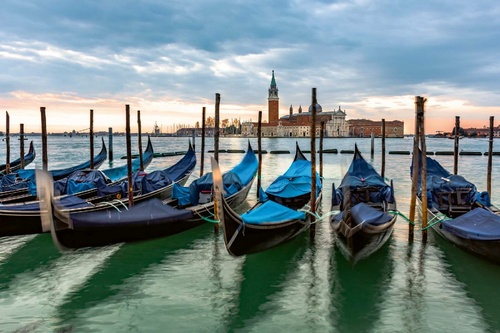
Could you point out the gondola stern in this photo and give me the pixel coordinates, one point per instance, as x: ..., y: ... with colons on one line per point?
x: 45, y: 193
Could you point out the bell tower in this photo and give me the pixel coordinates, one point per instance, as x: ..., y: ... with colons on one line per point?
x: 273, y: 102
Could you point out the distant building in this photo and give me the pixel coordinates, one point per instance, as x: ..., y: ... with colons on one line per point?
x: 481, y: 132
x: 299, y: 124
x: 362, y: 128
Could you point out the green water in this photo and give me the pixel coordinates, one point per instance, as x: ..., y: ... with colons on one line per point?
x: 189, y: 283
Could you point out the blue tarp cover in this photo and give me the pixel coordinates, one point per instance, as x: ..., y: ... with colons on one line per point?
x: 363, y: 213
x: 149, y: 212
x: 296, y: 181
x: 233, y: 181
x: 361, y: 174
x: 65, y: 203
x: 79, y: 181
x: 271, y: 212
x: 440, y: 180
x: 478, y: 224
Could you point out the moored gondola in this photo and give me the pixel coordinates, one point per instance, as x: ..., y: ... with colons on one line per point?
x: 460, y: 213
x: 362, y: 204
x: 15, y: 185
x: 269, y: 223
x: 24, y: 218
x: 16, y: 164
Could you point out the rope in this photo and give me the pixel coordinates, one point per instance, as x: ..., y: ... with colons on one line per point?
x: 398, y: 213
x: 111, y: 203
x: 439, y: 218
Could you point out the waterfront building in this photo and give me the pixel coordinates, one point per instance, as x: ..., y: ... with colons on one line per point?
x: 298, y: 124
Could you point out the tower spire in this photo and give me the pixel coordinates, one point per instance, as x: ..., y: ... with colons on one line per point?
x: 273, y: 101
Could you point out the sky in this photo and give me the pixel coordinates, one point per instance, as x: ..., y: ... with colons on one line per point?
x: 168, y: 59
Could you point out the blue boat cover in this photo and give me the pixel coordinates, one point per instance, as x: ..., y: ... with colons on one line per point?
x: 27, y: 176
x: 296, y: 181
x: 143, y: 214
x: 477, y: 224
x: 271, y: 212
x: 361, y: 174
x: 363, y: 213
x: 439, y: 180
x: 233, y: 181
x: 144, y: 183
x: 66, y: 202
x: 79, y: 181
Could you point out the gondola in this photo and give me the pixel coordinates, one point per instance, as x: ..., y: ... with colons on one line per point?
x: 273, y: 221
x: 16, y: 184
x: 16, y: 164
x: 198, y: 196
x: 460, y: 213
x: 362, y: 206
x: 24, y: 218
x: 148, y: 219
x: 84, y: 183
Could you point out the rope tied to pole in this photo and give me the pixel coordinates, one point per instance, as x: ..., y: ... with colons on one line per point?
x: 435, y: 220
x: 398, y: 213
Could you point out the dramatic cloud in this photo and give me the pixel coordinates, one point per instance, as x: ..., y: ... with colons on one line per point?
x: 169, y: 58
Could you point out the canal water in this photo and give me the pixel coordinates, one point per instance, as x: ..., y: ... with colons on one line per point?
x: 189, y: 283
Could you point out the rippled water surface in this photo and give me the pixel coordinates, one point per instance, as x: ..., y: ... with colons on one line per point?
x: 189, y: 283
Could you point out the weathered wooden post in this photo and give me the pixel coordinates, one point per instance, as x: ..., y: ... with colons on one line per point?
x: 91, y: 136
x: 7, y: 142
x: 202, y: 158
x: 372, y: 149
x: 490, y: 155
x: 21, y: 146
x: 216, y: 139
x: 139, y: 139
x: 217, y: 123
x: 45, y: 157
x: 423, y: 175
x: 382, y: 169
x: 455, y: 148
x: 321, y: 136
x: 129, y: 156
x: 419, y: 108
x: 110, y: 140
x: 259, y: 151
x: 312, y: 230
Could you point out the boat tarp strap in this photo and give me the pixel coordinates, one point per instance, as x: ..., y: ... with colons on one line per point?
x: 271, y: 212
x: 143, y: 214
x: 478, y: 224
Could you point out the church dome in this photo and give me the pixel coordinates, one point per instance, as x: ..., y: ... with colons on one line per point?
x: 318, y: 108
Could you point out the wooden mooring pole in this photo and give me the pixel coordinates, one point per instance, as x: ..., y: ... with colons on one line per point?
x: 321, y: 136
x: 202, y: 157
x: 490, y: 155
x: 217, y: 123
x: 216, y: 139
x: 21, y: 146
x: 110, y: 144
x: 45, y: 158
x: 259, y: 151
x: 139, y: 139
x: 415, y: 174
x: 382, y: 168
x: 455, y: 147
x: 423, y: 174
x: 129, y: 157
x: 312, y: 230
x: 7, y: 142
x: 91, y: 138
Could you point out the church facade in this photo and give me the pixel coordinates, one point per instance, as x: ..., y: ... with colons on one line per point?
x: 298, y: 124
